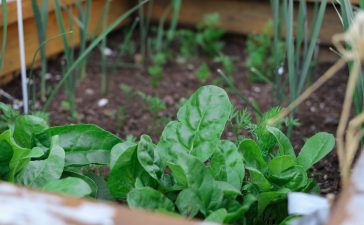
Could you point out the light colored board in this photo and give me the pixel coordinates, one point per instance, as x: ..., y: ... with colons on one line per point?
x: 24, y: 206
x: 244, y: 17
x: 27, y: 9
x: 11, y: 59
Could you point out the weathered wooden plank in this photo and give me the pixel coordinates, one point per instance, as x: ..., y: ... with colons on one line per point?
x: 243, y: 17
x: 11, y: 59
x: 24, y: 206
x: 27, y: 9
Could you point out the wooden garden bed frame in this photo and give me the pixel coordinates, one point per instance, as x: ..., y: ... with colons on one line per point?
x: 237, y: 16
x: 11, y: 64
x: 15, y: 202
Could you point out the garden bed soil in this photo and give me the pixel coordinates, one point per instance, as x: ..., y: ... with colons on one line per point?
x: 319, y: 113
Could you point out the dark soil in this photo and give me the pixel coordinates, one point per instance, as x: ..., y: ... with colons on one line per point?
x: 319, y: 113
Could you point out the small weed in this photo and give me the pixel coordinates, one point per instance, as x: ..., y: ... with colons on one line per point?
x: 203, y: 73
x: 260, y: 56
x: 155, y: 104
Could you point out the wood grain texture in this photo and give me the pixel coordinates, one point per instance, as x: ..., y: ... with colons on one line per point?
x: 243, y: 17
x: 11, y: 59
x: 48, y: 208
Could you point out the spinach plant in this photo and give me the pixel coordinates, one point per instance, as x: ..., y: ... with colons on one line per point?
x: 49, y: 158
x: 262, y: 56
x: 192, y: 171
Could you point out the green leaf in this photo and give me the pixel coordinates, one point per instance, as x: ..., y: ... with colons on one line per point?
x: 38, y: 173
x: 315, y: 148
x: 88, y: 180
x: 6, y: 154
x: 188, y: 203
x: 19, y: 156
x: 285, y: 146
x: 267, y: 198
x: 148, y: 198
x: 85, y: 143
x: 148, y: 157
x: 293, y: 178
x: 178, y: 174
x: 252, y: 154
x: 201, y: 121
x: 103, y: 191
x: 227, y: 164
x: 257, y: 178
x: 228, y: 189
x: 217, y: 216
x: 69, y: 186
x: 236, y: 215
x: 199, y: 178
x: 280, y: 163
x: 25, y: 129
x: 125, y: 168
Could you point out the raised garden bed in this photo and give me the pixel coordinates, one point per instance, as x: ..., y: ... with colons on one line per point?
x: 171, y: 132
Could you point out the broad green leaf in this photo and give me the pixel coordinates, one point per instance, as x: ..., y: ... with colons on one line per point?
x: 88, y: 180
x: 257, y: 178
x: 293, y: 178
x: 69, y: 186
x: 19, y: 157
x: 25, y: 129
x: 201, y: 121
x: 6, y: 154
x: 148, y: 198
x: 188, y: 203
x: 217, y: 216
x: 39, y: 172
x: 125, y: 168
x: 315, y: 148
x: 227, y: 164
x: 236, y: 215
x: 103, y: 191
x: 148, y: 157
x: 285, y: 146
x: 267, y: 198
x: 252, y: 154
x: 85, y: 143
x: 280, y: 163
x: 228, y: 189
x: 178, y: 175
x: 199, y: 178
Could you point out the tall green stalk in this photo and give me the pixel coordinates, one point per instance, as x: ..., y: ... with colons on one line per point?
x: 68, y: 51
x: 41, y: 20
x: 84, y: 18
x: 300, y: 43
x: 103, y: 74
x: 87, y: 51
x: 5, y: 31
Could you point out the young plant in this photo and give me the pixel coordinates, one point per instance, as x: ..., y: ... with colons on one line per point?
x: 300, y: 53
x: 203, y: 73
x: 192, y: 171
x: 38, y: 156
x: 155, y: 104
x: 263, y: 55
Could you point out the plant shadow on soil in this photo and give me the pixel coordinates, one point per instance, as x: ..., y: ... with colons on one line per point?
x: 319, y: 113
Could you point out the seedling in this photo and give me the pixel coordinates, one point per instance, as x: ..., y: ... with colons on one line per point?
x: 155, y: 104
x: 203, y: 73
